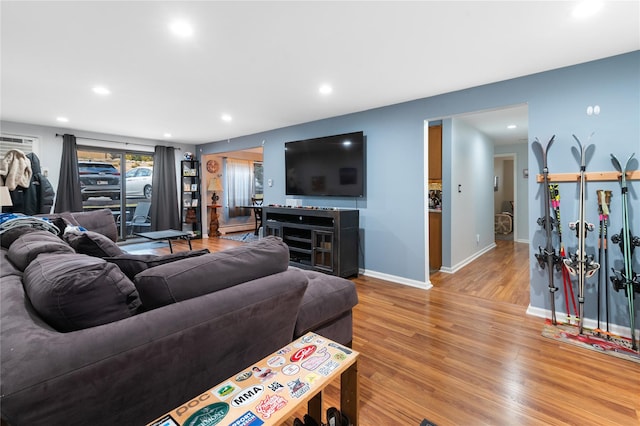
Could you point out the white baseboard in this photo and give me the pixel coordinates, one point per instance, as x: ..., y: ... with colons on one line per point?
x: 237, y: 228
x: 588, y: 322
x: 396, y: 279
x: 468, y: 260
x: 523, y: 241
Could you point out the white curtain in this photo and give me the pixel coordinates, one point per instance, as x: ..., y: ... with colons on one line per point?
x: 239, y: 186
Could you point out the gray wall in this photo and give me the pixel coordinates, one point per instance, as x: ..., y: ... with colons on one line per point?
x: 392, y: 212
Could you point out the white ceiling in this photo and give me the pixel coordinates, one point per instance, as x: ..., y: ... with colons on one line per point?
x: 262, y: 62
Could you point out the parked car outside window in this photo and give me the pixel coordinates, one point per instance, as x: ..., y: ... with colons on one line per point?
x: 139, y: 182
x: 99, y: 179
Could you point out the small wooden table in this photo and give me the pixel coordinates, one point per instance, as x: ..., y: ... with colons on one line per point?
x: 271, y: 390
x: 169, y: 234
x: 214, y: 223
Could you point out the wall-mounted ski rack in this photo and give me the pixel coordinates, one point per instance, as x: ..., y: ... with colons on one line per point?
x: 589, y: 176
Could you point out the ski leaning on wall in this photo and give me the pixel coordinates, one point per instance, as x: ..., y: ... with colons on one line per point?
x: 547, y: 256
x: 604, y: 205
x: 569, y: 296
x: 579, y: 264
x: 626, y: 279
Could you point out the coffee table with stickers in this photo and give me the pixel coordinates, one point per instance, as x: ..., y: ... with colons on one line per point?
x: 270, y: 391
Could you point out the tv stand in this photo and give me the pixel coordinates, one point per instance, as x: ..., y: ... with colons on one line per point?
x: 322, y: 239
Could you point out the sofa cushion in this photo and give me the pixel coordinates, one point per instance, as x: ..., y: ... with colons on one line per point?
x: 133, y: 264
x: 92, y: 243
x: 10, y: 235
x: 74, y: 291
x: 188, y: 278
x: 29, y: 245
x: 101, y: 221
x: 327, y: 298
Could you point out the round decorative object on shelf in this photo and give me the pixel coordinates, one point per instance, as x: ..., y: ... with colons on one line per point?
x: 188, y: 156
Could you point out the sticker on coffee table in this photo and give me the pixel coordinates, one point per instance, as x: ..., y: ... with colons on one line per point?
x: 342, y: 348
x: 270, y: 405
x: 283, y: 351
x: 263, y: 374
x: 297, y: 388
x: 243, y: 376
x: 208, y: 416
x: 247, y: 419
x: 313, y: 362
x: 225, y: 390
x: 247, y: 395
x: 328, y: 367
x: 275, y: 387
x: 309, y: 338
x: 165, y: 421
x: 303, y: 353
x: 339, y: 356
x: 276, y: 361
x: 290, y: 369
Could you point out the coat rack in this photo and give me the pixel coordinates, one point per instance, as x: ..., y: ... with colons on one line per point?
x: 589, y: 176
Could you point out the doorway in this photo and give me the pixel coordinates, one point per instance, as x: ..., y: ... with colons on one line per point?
x: 504, y: 196
x: 469, y: 144
x: 233, y: 179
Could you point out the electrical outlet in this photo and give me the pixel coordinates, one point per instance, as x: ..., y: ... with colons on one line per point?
x: 477, y: 238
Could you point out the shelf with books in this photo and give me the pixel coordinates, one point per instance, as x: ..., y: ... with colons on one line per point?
x: 190, y: 200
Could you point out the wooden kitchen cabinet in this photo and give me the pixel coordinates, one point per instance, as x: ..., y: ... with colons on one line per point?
x: 435, y: 153
x: 435, y: 240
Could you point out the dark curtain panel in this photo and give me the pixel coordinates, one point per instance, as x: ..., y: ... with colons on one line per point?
x: 69, y: 196
x: 164, y: 206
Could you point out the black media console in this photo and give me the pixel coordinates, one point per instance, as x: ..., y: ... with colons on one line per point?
x: 322, y: 239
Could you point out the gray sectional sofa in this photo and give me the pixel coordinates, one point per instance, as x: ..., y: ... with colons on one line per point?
x: 122, y: 339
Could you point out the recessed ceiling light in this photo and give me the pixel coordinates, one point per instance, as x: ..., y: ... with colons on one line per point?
x: 586, y: 8
x: 62, y: 119
x: 167, y: 135
x: 511, y: 126
x: 181, y: 29
x: 101, y: 90
x: 226, y: 117
x: 325, y: 89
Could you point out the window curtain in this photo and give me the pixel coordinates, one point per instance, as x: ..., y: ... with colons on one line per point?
x: 165, y: 213
x: 239, y: 185
x: 69, y: 197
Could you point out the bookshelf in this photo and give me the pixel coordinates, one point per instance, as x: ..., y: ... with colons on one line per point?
x: 190, y: 199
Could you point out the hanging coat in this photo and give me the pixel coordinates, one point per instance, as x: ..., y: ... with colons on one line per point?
x: 39, y: 197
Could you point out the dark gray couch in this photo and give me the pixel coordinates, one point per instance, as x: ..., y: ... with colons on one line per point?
x: 216, y: 314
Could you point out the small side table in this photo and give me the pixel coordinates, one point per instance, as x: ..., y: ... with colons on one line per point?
x: 214, y: 224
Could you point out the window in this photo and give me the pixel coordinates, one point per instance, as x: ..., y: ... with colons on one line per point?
x: 102, y: 186
x: 258, y: 178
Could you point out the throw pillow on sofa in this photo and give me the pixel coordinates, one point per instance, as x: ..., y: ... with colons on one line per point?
x: 73, y: 291
x: 133, y: 264
x: 193, y: 277
x: 91, y: 243
x: 28, y: 246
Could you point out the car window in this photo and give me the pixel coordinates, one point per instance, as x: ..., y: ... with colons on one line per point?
x: 131, y: 173
x: 144, y: 172
x: 97, y: 168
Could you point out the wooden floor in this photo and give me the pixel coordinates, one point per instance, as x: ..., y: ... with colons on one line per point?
x: 466, y: 353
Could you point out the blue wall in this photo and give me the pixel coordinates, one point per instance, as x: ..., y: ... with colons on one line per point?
x: 392, y: 213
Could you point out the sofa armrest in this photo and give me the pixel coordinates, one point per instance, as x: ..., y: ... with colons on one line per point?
x: 136, y: 369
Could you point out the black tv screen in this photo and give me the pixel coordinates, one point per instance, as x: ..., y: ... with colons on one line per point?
x: 327, y: 166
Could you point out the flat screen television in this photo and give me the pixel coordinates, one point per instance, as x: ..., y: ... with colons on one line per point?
x: 326, y: 166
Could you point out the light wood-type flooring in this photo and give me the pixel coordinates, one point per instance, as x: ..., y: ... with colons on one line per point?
x: 466, y: 353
